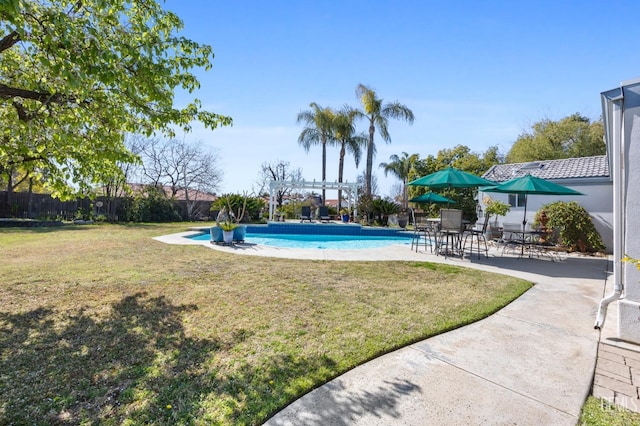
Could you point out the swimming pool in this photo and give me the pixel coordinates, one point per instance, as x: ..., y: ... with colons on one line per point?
x: 320, y: 236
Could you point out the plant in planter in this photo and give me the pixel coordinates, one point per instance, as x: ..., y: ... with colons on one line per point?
x: 497, y: 208
x: 227, y: 226
x: 229, y: 222
x: 403, y: 218
x: 344, y: 213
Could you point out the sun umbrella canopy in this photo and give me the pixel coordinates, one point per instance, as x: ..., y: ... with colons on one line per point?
x: 529, y: 184
x: 451, y: 178
x: 432, y: 198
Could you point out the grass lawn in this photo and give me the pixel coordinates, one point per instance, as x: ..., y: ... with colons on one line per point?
x: 598, y: 412
x: 102, y: 324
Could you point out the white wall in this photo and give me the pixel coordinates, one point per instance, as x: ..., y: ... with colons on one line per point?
x: 598, y: 201
x: 621, y: 112
x: 631, y: 190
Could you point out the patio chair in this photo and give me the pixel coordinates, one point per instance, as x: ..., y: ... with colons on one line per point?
x: 306, y: 214
x: 323, y: 214
x: 422, y: 230
x: 477, y: 235
x: 449, y: 242
x: 512, y: 237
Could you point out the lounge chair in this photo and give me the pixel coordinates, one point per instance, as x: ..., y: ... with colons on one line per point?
x: 323, y: 214
x: 306, y: 214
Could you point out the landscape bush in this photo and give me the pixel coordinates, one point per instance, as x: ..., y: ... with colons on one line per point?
x: 252, y: 206
x: 573, y: 224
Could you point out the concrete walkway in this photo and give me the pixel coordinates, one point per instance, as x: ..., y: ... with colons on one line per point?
x: 531, y: 363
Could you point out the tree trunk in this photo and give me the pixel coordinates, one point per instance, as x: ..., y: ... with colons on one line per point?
x: 324, y: 168
x: 369, y: 169
x: 30, y: 200
x: 340, y: 172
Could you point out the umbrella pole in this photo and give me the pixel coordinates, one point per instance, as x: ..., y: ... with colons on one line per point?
x: 524, y: 224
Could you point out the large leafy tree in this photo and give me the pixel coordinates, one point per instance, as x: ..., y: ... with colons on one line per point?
x: 401, y: 167
x: 461, y: 157
x: 318, y: 131
x: 346, y: 137
x: 76, y: 76
x: 378, y: 114
x: 572, y: 136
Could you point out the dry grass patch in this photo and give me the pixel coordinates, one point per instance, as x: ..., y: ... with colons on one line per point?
x: 101, y: 324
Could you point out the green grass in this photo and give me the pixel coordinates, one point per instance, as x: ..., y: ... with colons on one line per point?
x: 102, y: 324
x: 599, y: 412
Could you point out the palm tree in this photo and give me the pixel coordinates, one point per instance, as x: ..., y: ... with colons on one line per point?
x: 318, y: 131
x: 344, y: 134
x: 401, y: 167
x: 378, y: 115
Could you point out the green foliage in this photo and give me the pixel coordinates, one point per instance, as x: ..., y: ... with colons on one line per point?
x: 153, y: 206
x: 572, y: 136
x: 463, y: 159
x: 401, y: 168
x: 382, y: 208
x: 377, y: 115
x: 252, y: 206
x: 632, y: 261
x: 228, y: 225
x: 576, y: 230
x: 495, y: 207
x: 77, y: 76
x: 600, y: 412
x: 385, y: 207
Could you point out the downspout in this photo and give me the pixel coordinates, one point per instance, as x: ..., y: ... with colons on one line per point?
x: 617, y: 140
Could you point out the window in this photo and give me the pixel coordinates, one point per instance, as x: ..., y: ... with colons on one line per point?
x: 516, y: 200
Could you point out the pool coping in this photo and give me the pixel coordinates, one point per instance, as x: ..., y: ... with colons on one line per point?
x: 391, y: 252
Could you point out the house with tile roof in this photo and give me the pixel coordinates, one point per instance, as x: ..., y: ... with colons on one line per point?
x: 588, y: 175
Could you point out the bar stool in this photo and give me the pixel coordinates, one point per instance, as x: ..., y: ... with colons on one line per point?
x: 477, y: 235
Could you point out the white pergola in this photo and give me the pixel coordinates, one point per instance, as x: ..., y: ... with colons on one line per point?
x: 351, y: 190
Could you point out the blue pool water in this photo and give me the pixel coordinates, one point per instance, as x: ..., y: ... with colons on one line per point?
x: 320, y: 241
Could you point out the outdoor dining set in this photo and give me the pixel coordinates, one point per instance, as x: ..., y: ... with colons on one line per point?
x: 451, y: 235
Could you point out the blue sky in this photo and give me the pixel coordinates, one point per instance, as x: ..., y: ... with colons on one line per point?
x: 475, y: 73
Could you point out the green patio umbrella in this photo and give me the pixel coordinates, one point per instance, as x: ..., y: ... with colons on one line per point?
x: 431, y: 198
x: 529, y: 184
x: 451, y: 178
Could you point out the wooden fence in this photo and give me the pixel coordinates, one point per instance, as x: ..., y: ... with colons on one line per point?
x: 43, y: 206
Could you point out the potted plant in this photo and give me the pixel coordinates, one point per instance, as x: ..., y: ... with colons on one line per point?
x: 345, y: 215
x: 497, y: 208
x: 227, y: 230
x: 229, y: 222
x: 403, y: 218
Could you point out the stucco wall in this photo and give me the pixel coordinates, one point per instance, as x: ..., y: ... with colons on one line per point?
x: 598, y: 201
x: 631, y: 160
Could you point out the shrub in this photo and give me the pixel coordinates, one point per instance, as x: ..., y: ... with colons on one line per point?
x: 382, y: 208
x: 154, y: 206
x: 252, y: 209
x: 576, y: 230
